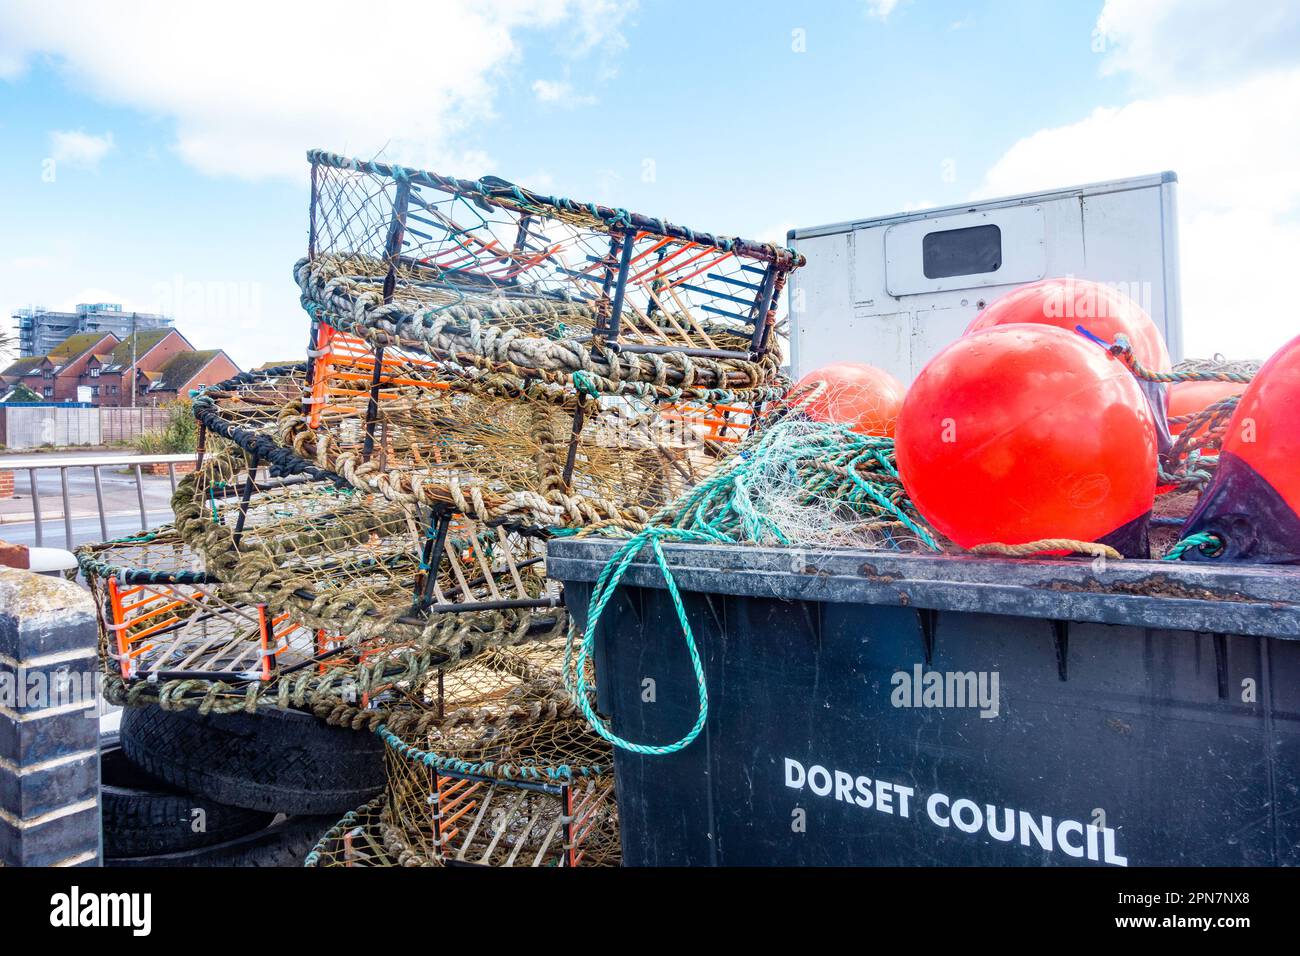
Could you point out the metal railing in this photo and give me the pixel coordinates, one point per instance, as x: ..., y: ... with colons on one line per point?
x: 135, y: 463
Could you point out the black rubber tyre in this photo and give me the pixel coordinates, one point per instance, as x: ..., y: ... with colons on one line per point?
x: 142, y: 815
x: 280, y: 761
x: 286, y: 843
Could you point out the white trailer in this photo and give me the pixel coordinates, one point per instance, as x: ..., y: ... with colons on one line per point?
x: 894, y: 290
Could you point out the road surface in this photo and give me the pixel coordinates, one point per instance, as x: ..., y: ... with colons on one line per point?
x: 121, y: 502
x: 84, y: 530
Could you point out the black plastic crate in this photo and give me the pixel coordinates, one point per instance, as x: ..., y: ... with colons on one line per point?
x: 1147, y: 713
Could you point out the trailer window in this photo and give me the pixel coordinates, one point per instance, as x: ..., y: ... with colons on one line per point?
x: 961, y: 252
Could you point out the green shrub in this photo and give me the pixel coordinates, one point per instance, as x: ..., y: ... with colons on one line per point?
x: 178, y: 436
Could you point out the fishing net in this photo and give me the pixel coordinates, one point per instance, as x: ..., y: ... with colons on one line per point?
x: 1189, y: 464
x: 1219, y: 368
x: 801, y: 482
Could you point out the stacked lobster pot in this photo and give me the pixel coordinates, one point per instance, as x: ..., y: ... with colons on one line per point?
x: 487, y: 368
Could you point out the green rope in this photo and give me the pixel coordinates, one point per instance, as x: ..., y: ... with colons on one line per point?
x: 1123, y: 350
x: 583, y: 383
x: 825, y: 461
x: 604, y: 589
x: 1206, y: 542
x: 336, y: 832
x: 502, y: 771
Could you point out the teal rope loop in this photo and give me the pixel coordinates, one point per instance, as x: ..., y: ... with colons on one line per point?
x: 725, y: 509
x: 583, y: 383
x: 558, y: 773
x: 603, y: 590
x: 1206, y: 542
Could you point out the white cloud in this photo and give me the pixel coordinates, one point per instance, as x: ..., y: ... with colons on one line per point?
x: 776, y: 232
x: 1166, y: 43
x: 96, y: 294
x: 598, y: 24
x: 251, y: 85
x: 31, y: 263
x: 11, y: 66
x: 541, y: 181
x: 549, y: 91
x: 1233, y: 147
x: 560, y: 93
x: 880, y: 9
x: 78, y: 148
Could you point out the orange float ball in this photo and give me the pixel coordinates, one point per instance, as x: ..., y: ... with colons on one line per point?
x: 1023, y: 432
x: 1188, y: 398
x: 1067, y: 303
x: 864, y: 397
x: 1253, y: 503
x: 1264, y: 432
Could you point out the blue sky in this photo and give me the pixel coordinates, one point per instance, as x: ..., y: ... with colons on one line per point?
x: 156, y: 158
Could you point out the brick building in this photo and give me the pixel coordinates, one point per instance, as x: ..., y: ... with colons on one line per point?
x: 186, y: 371
x: 98, y: 367
x: 73, y: 363
x: 26, y: 371
x: 152, y: 350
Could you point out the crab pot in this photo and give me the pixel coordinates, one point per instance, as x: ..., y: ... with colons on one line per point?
x: 453, y: 819
x: 885, y: 709
x: 432, y: 249
x: 487, y: 770
x: 163, y: 618
x: 540, y: 453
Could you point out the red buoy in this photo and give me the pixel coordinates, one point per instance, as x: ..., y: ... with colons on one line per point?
x: 1023, y: 432
x: 1188, y: 398
x: 1253, y: 503
x: 1067, y: 303
x: 864, y: 397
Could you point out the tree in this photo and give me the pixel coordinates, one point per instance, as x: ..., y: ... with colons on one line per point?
x: 21, y: 393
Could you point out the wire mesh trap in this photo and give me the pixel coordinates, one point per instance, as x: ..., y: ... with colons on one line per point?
x: 438, y: 435
x: 542, y: 456
x: 490, y: 271
x: 170, y: 630
x: 489, y: 764
x: 349, y: 562
x: 165, y: 618
x: 543, y: 796
x: 500, y: 685
x: 503, y: 353
x: 247, y: 407
x: 436, y: 818
x: 469, y: 821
